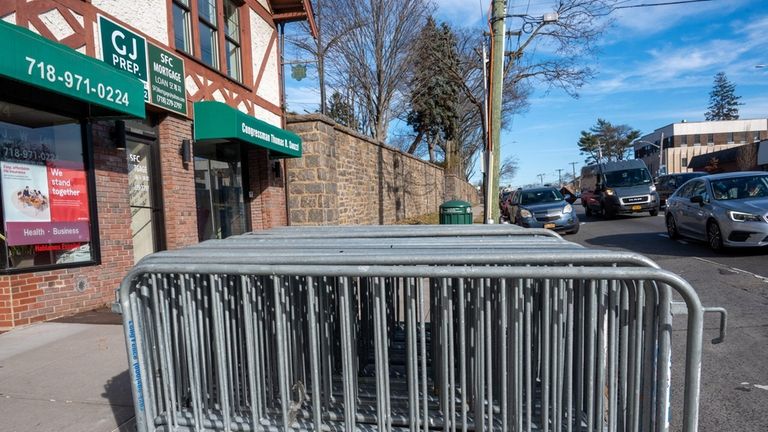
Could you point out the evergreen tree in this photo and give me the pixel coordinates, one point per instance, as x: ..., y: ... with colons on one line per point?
x: 607, y: 142
x: 433, y: 92
x: 341, y: 111
x: 723, y: 102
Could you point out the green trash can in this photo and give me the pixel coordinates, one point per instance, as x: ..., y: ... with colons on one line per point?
x: 455, y: 212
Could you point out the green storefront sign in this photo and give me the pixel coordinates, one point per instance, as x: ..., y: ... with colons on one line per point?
x: 123, y: 48
x: 219, y: 121
x: 35, y: 60
x: 161, y: 72
x: 166, y: 72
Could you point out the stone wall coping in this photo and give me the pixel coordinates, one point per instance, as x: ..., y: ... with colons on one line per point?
x: 317, y: 117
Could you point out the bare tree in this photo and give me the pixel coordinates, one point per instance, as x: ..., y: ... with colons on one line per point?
x: 372, y: 59
x: 329, y: 33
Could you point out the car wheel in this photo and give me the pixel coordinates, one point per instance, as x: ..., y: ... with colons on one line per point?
x: 714, y: 236
x: 654, y: 212
x: 672, y: 227
x: 608, y: 213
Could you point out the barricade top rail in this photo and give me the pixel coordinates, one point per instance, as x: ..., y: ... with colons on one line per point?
x: 377, y: 231
x: 388, y: 256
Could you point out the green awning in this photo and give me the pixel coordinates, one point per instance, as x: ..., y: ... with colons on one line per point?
x: 219, y: 121
x: 32, y: 59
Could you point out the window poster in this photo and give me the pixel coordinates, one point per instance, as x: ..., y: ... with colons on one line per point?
x: 45, y: 200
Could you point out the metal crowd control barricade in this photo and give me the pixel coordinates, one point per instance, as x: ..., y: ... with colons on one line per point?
x: 370, y: 328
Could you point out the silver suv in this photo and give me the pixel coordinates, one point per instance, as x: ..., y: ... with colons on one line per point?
x: 728, y: 209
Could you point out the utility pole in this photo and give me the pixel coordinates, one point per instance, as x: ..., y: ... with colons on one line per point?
x: 541, y: 178
x: 498, y: 16
x: 573, y: 166
x: 560, y: 176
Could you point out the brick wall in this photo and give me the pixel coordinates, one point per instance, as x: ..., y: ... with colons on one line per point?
x: 178, y: 183
x: 267, y: 204
x: 38, y: 296
x: 345, y: 178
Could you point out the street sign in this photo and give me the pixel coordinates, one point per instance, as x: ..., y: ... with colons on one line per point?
x: 161, y: 72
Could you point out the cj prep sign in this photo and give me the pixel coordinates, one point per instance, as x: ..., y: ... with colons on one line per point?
x: 161, y: 72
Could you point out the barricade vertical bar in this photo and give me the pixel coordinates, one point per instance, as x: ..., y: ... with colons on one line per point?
x: 545, y: 354
x: 423, y: 343
x: 411, y: 355
x: 463, y: 355
x: 569, y: 372
x: 314, y: 354
x: 650, y: 361
x: 664, y: 370
x: 603, y: 348
x: 282, y: 361
x: 624, y: 357
x: 613, y: 316
x: 634, y: 398
x: 161, y: 326
x: 479, y: 355
x: 247, y: 293
x: 519, y: 309
x: 528, y: 361
x: 444, y: 353
x: 590, y: 353
x: 504, y: 370
x: 488, y: 353
x: 190, y: 337
x: 346, y: 348
x: 451, y: 359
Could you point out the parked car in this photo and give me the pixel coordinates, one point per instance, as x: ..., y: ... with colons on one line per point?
x: 622, y: 187
x: 728, y: 209
x: 543, y: 207
x: 667, y: 184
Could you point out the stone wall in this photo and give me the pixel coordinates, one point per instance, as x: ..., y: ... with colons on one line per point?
x: 345, y: 178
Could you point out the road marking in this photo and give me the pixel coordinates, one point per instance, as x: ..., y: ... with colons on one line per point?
x: 737, y: 270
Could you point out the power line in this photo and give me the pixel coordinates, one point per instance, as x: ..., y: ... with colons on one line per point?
x: 668, y: 3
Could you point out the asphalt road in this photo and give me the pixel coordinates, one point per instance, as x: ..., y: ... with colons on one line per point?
x: 734, y: 394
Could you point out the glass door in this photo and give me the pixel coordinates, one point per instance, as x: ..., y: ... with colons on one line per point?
x: 144, y: 208
x: 219, y: 190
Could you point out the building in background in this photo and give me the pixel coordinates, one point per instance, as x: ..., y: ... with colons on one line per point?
x: 128, y: 127
x: 747, y: 157
x: 682, y: 141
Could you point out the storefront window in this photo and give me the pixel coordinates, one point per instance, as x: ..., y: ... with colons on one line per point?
x: 219, y: 190
x: 46, y: 216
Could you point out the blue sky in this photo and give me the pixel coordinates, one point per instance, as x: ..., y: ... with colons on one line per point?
x: 655, y: 67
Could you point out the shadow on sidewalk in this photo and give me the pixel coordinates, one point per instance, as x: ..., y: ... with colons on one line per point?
x: 117, y: 390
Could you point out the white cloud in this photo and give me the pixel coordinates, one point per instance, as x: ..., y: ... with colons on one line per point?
x: 650, y: 20
x: 677, y: 65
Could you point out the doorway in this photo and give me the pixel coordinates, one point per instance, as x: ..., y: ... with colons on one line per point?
x: 146, y: 209
x: 219, y: 190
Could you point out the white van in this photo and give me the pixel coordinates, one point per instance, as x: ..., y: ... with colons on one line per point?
x: 622, y: 187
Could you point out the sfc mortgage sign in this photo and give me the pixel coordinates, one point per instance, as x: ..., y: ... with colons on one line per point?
x: 161, y: 72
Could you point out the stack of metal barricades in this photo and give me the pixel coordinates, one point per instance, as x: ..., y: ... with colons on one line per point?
x: 405, y: 328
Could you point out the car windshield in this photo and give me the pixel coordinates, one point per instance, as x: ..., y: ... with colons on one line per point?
x: 628, y: 177
x: 540, y: 196
x: 740, y: 188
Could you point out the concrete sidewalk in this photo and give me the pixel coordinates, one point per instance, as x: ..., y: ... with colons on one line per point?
x: 65, y: 377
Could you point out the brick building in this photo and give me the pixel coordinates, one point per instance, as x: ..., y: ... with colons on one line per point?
x: 684, y: 140
x: 128, y: 127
